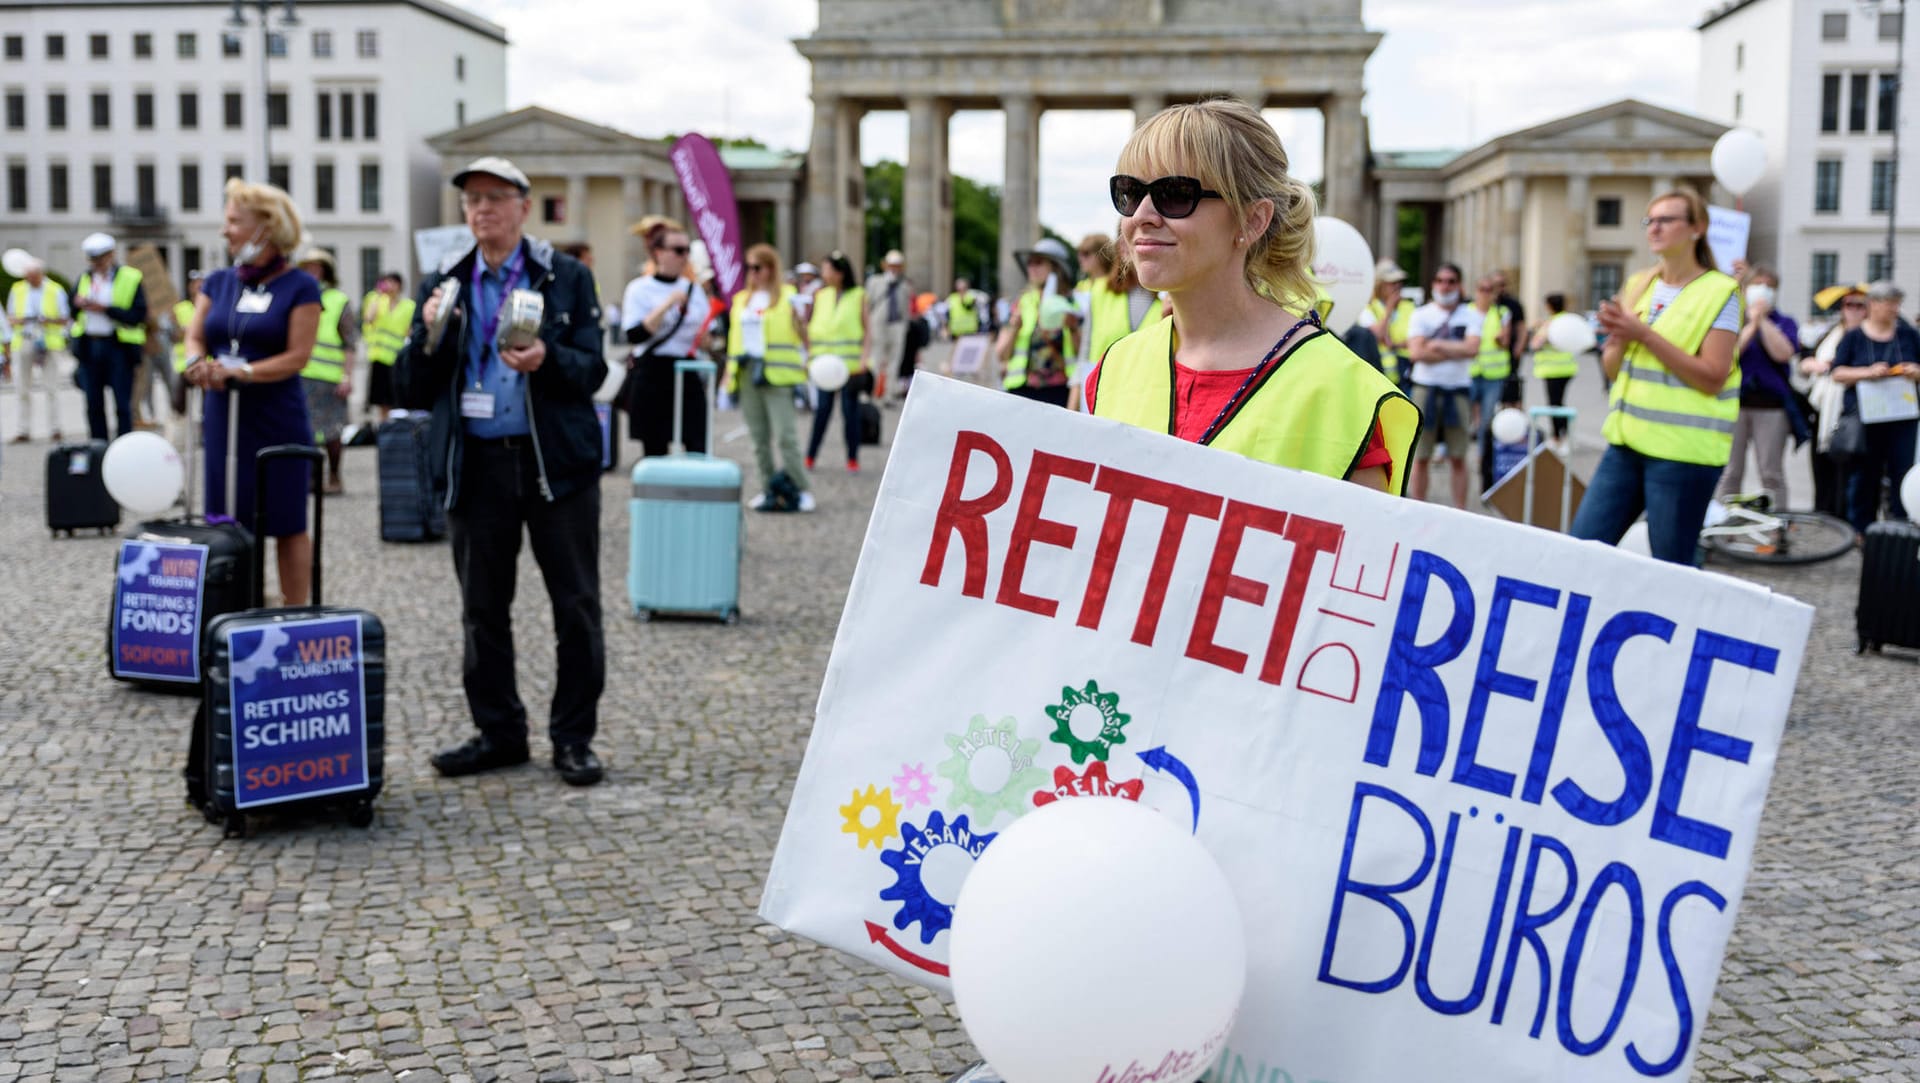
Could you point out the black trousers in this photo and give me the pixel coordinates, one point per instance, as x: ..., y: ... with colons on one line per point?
x: 499, y: 498
x: 1557, y: 396
x: 105, y: 365
x: 650, y: 406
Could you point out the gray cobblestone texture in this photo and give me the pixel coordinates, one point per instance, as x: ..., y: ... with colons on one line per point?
x: 508, y: 927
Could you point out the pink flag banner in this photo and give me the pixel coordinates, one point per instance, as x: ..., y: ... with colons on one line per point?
x: 709, y: 194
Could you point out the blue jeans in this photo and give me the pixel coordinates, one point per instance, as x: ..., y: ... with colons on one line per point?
x: 1486, y: 395
x: 1890, y: 456
x: 849, y: 398
x: 1673, y: 494
x: 106, y: 364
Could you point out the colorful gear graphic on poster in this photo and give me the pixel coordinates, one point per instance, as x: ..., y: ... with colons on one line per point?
x: 1022, y: 776
x: 888, y: 821
x: 913, y: 785
x: 909, y: 890
x: 1113, y: 724
x: 1091, y: 783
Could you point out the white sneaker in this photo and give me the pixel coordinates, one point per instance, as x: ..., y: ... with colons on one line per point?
x: 806, y: 500
x: 758, y: 503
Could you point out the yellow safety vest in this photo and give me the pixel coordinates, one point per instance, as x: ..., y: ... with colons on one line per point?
x: 1110, y: 316
x: 1029, y: 322
x: 1552, y: 364
x: 126, y: 283
x: 1391, y: 360
x: 1315, y: 411
x: 52, y: 333
x: 328, y: 361
x: 1493, y: 361
x: 182, y: 319
x: 782, y: 359
x: 387, y: 331
x: 961, y: 318
x: 1654, y: 412
x: 834, y: 328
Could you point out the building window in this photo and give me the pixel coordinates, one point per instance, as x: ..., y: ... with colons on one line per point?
x: 102, y: 106
x: 186, y: 45
x: 16, y: 47
x: 103, y: 186
x: 143, y: 46
x: 56, y: 46
x: 1606, y: 211
x: 277, y: 109
x: 276, y: 44
x: 322, y: 44
x: 370, y: 186
x: 189, y: 110
x: 1857, y: 102
x: 459, y: 114
x: 346, y: 115
x: 1603, y: 281
x: 143, y: 110
x: 1876, y: 266
x: 190, y: 263
x: 1881, y: 196
x: 230, y: 108
x: 366, y: 44
x: 459, y: 67
x: 1826, y: 271
x: 370, y: 115
x: 145, y: 187
x: 57, y: 111
x: 1889, y: 110
x: 57, y: 186
x: 97, y: 46
x: 323, y: 186
x: 16, y: 186
x: 1739, y: 55
x: 553, y: 209
x: 280, y: 176
x: 1830, y: 103
x: 369, y: 267
x: 229, y: 44
x: 233, y: 170
x: 1826, y: 186
x: 1737, y: 103
x: 189, y: 186
x: 16, y: 110
x: 323, y: 116
x: 1833, y: 26
x: 1890, y: 26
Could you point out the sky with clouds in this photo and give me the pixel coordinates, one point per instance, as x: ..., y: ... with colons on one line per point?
x: 728, y: 67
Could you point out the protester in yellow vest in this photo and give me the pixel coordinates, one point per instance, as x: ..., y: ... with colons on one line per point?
x: 386, y: 315
x: 1388, y: 314
x: 765, y: 344
x: 1113, y: 301
x: 38, y: 311
x: 1039, y: 343
x: 838, y: 328
x: 1553, y: 366
x: 1676, y: 391
x: 1226, y: 236
x: 109, y: 331
x: 327, y: 378
x: 963, y: 310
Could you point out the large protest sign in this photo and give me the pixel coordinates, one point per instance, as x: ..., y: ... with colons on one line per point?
x: 158, y: 595
x: 299, y: 710
x: 1487, y: 796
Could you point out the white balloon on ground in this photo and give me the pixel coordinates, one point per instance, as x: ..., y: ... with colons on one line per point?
x: 1570, y: 331
x: 1739, y: 160
x: 1910, y: 493
x: 143, y: 473
x: 828, y: 373
x: 1165, y: 980
x: 15, y: 261
x: 1509, y: 426
x: 1343, y: 268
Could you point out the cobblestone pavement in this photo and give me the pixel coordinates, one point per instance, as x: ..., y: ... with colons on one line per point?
x: 508, y: 927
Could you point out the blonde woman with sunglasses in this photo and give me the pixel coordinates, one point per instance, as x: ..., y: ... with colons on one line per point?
x: 1211, y: 218
x: 766, y: 346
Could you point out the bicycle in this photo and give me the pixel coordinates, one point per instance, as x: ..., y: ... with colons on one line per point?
x: 1743, y: 529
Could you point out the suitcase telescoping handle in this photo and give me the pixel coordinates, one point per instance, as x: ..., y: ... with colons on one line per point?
x: 267, y: 455
x: 705, y: 370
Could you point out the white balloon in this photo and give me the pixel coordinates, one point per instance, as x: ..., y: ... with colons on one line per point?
x: 829, y: 373
x: 14, y: 261
x: 1509, y: 426
x: 1343, y: 268
x: 143, y: 473
x: 1159, y: 993
x: 1571, y: 332
x: 1910, y: 493
x: 1739, y: 160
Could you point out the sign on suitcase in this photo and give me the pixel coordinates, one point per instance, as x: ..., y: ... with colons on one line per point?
x: 299, y: 710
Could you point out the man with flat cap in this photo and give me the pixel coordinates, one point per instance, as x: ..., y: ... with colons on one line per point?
x: 515, y: 447
x: 110, y: 332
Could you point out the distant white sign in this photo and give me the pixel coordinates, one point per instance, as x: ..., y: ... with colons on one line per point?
x: 432, y: 246
x: 1727, y: 232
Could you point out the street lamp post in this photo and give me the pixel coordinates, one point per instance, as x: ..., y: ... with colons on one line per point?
x: 238, y: 21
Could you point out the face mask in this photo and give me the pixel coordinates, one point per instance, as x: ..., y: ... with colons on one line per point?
x: 250, y: 251
x: 1759, y: 294
x: 1451, y: 297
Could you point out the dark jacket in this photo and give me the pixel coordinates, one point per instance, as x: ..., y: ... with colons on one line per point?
x: 566, y: 432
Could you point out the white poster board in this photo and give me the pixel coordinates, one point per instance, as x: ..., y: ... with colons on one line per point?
x: 969, y: 354
x: 431, y: 246
x: 1727, y: 232
x: 1487, y: 795
x: 1890, y: 398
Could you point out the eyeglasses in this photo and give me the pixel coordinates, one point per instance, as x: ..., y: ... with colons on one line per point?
x: 1173, y: 197
x: 1661, y: 220
x: 475, y: 199
x: 1853, y: 304
x: 676, y: 249
x: 759, y: 266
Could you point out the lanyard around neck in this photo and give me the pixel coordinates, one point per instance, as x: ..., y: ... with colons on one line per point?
x: 1273, y: 355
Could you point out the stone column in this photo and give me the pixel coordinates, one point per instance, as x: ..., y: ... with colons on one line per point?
x: 1386, y: 237
x: 919, y: 190
x: 942, y: 202
x: 576, y: 223
x: 1020, y: 193
x: 1579, y: 199
x: 786, y: 236
x: 823, y: 174
x: 450, y: 214
x: 1662, y: 182
x: 1346, y: 156
x: 1146, y: 105
x: 1513, y: 208
x: 851, y: 194
x: 633, y: 250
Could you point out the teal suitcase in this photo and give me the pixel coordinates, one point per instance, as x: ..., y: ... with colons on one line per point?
x: 685, y: 520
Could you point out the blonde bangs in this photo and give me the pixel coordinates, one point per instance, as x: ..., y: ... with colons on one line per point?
x: 1182, y: 141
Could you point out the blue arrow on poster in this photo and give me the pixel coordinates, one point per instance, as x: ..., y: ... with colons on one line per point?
x: 299, y: 710
x: 1159, y: 759
x: 157, y: 595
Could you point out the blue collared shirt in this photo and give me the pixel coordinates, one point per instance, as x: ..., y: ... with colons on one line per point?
x: 485, y: 370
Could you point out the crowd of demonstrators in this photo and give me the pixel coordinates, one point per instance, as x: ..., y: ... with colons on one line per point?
x: 837, y: 327
x: 327, y: 379
x: 1443, y: 338
x: 1828, y: 398
x: 766, y: 344
x: 515, y: 446
x: 1882, y: 350
x: 662, y: 311
x: 37, y: 316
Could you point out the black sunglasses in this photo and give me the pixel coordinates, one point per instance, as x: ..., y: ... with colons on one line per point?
x: 677, y: 249
x: 1173, y: 197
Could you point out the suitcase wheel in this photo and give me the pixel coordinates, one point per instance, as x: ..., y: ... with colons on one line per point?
x: 236, y: 825
x: 731, y: 616
x: 361, y: 814
x: 643, y: 615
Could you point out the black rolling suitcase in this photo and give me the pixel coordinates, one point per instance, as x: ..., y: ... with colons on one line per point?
x: 77, y: 497
x: 410, y: 510
x: 869, y: 423
x: 1889, y: 611
x: 293, y: 708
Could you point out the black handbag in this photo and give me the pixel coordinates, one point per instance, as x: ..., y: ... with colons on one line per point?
x: 1848, y: 444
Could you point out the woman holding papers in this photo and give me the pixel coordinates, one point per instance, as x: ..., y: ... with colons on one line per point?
x: 1878, y: 363
x: 1211, y: 218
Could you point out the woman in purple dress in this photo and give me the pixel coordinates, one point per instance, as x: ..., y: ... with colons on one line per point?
x: 253, y: 331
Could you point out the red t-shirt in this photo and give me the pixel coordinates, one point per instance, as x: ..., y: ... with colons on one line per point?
x: 1198, y: 398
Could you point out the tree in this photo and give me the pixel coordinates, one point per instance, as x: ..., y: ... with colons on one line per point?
x: 976, y: 224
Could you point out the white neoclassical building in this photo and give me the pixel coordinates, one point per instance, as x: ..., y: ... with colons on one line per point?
x: 129, y: 117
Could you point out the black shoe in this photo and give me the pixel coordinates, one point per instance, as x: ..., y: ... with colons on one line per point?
x: 476, y: 754
x: 578, y: 765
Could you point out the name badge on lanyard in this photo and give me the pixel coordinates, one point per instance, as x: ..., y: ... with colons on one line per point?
x: 476, y: 404
x: 253, y: 302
